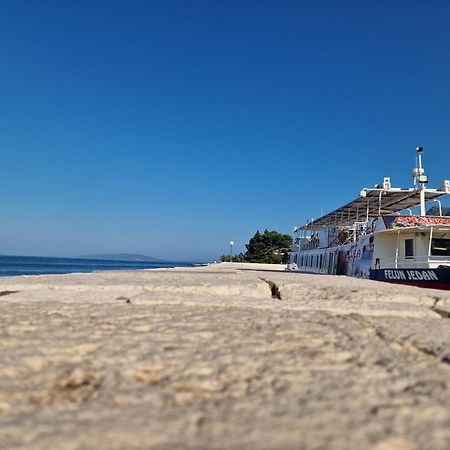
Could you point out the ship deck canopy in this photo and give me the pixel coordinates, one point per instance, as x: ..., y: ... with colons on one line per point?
x: 377, y: 202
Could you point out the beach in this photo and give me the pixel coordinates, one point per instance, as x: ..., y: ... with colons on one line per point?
x: 229, y: 355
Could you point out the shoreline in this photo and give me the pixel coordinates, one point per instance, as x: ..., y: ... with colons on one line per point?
x: 35, y: 266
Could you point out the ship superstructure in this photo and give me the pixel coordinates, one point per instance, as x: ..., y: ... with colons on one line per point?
x: 377, y: 236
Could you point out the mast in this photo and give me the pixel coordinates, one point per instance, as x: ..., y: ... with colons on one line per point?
x: 420, y: 180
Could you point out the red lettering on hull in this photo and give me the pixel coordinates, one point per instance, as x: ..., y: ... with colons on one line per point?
x: 421, y: 220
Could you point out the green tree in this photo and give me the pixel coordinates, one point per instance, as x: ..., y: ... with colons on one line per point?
x: 269, y: 247
x: 236, y: 258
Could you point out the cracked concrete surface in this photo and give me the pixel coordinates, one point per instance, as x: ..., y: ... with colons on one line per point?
x: 219, y: 357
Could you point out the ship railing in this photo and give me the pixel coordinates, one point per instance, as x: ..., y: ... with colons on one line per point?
x: 311, y: 245
x: 402, y: 262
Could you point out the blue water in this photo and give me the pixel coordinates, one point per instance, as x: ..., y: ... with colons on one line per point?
x: 37, y: 265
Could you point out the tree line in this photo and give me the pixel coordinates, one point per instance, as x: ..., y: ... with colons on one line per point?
x: 269, y: 247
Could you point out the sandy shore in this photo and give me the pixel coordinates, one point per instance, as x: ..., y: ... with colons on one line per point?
x: 226, y: 356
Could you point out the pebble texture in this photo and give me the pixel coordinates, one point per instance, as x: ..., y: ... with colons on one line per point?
x: 219, y: 357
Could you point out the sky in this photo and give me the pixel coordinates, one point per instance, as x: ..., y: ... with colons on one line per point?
x: 171, y: 128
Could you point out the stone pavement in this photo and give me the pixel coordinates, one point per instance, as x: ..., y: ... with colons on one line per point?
x: 220, y: 357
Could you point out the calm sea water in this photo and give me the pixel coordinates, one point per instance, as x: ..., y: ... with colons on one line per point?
x: 31, y: 265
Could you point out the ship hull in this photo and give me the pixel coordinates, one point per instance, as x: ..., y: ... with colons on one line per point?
x: 438, y: 278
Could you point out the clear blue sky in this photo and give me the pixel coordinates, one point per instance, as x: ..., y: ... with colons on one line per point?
x: 170, y: 128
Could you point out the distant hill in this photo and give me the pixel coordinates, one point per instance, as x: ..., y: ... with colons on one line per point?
x: 122, y: 257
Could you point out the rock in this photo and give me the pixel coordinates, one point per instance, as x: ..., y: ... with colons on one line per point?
x: 208, y: 358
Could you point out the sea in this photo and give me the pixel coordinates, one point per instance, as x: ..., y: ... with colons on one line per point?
x: 40, y: 265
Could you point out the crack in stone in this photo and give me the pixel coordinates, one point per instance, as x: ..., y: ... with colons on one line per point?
x: 126, y: 299
x: 444, y: 314
x: 2, y: 293
x: 406, y: 344
x: 274, y: 289
x: 441, y: 312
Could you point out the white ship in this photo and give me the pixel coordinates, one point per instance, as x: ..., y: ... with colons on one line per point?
x: 377, y: 236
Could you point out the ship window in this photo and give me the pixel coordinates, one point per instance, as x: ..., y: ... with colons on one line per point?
x: 409, y: 248
x: 440, y: 247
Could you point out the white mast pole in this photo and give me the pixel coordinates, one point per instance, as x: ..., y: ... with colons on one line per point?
x: 422, y: 181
